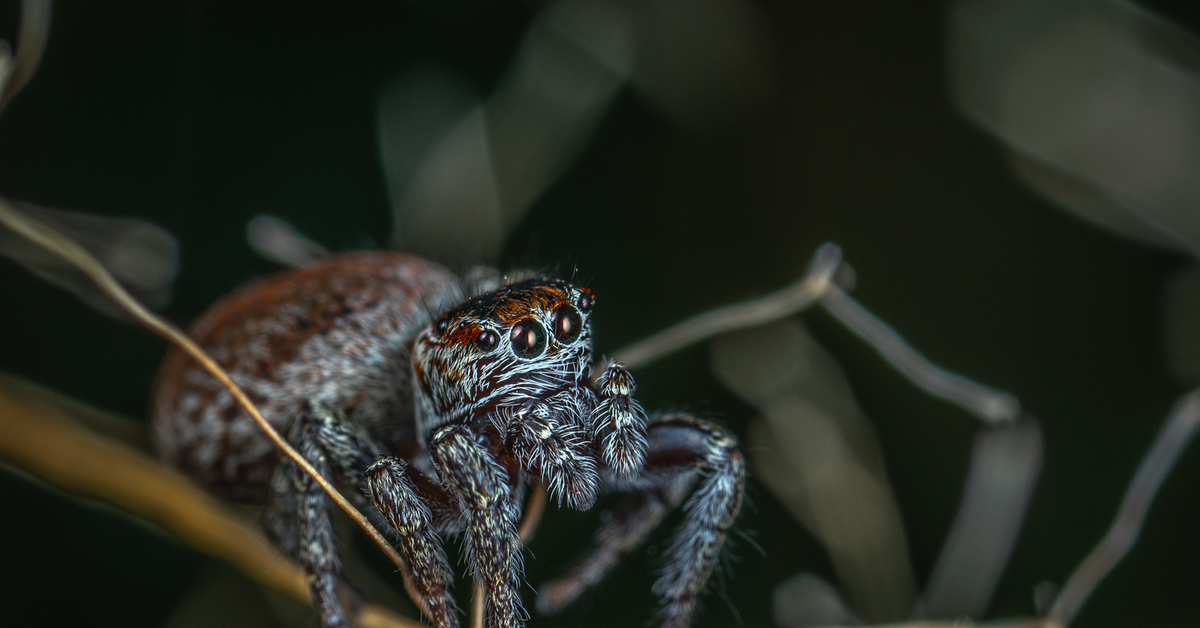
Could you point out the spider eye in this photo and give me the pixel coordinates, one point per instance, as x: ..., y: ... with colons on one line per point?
x: 441, y: 325
x: 487, y: 340
x: 566, y: 323
x: 528, y: 339
x: 586, y: 301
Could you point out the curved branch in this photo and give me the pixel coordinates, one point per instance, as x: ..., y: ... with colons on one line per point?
x: 1178, y: 430
x: 792, y: 299
x: 990, y: 405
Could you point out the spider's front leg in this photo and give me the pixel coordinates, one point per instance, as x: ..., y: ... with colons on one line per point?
x: 618, y: 424
x: 682, y: 452
x: 392, y: 485
x: 482, y: 489
x: 553, y: 446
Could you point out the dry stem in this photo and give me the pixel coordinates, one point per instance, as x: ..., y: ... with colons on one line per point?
x: 45, y: 442
x: 1178, y: 430
x: 790, y: 300
x: 817, y: 286
x: 990, y: 405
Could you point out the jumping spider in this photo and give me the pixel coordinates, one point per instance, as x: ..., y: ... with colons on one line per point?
x: 440, y: 405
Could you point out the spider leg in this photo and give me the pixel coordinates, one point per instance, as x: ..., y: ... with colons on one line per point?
x: 390, y: 484
x: 682, y: 452
x: 557, y: 450
x: 618, y: 424
x: 299, y: 515
x: 481, y: 486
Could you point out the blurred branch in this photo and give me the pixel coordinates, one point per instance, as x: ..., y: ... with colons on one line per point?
x: 53, y: 447
x: 795, y: 298
x: 1180, y: 427
x: 990, y: 405
x: 97, y: 421
x: 31, y: 43
x: 818, y: 285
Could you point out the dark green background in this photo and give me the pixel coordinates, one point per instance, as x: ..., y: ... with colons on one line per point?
x: 199, y: 115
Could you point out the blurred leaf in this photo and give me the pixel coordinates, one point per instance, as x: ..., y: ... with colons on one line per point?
x: 437, y: 167
x: 703, y: 61
x: 818, y: 453
x: 142, y: 256
x: 570, y: 66
x: 276, y: 240
x: 1100, y: 98
x: 1005, y: 463
x: 806, y: 600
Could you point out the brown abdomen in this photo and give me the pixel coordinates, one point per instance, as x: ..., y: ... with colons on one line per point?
x: 338, y: 330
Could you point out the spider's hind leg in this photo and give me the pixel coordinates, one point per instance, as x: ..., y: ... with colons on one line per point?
x: 683, y: 452
x: 298, y: 517
x: 298, y: 513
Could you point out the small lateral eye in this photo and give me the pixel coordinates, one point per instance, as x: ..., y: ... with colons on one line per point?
x: 566, y: 323
x: 487, y: 340
x: 441, y: 325
x: 528, y: 339
x: 586, y: 301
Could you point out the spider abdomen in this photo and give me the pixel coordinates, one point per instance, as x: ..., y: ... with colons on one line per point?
x: 338, y: 331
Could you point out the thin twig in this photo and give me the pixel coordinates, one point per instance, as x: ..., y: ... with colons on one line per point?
x: 1178, y: 430
x: 529, y: 522
x: 990, y: 405
x: 790, y: 300
x: 53, y: 241
x: 43, y: 441
x: 533, y: 513
x: 477, y: 606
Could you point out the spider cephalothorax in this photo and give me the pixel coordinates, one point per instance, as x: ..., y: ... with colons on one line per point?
x: 520, y: 358
x: 502, y: 349
x: 440, y: 412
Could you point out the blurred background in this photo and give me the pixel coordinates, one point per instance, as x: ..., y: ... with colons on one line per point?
x: 1013, y: 183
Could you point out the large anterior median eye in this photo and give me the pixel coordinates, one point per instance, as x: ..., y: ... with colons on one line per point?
x: 528, y: 339
x: 566, y: 323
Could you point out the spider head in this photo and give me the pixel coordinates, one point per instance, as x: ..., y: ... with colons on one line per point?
x: 526, y: 341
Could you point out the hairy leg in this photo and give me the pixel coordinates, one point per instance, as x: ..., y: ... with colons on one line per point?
x: 299, y: 518
x: 481, y: 487
x: 618, y: 424
x: 389, y: 484
x: 682, y: 451
x: 557, y: 450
